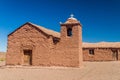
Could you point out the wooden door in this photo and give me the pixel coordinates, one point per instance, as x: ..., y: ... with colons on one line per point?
x: 115, y: 55
x: 27, y: 57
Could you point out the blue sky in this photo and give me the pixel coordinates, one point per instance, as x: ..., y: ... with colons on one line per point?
x: 100, y: 18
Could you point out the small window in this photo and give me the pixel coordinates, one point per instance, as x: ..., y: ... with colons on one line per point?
x: 69, y: 32
x: 91, y: 51
x: 55, y: 40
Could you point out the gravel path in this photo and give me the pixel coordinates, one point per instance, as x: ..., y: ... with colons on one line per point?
x: 90, y: 71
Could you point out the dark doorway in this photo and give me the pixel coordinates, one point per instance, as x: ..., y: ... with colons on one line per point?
x: 115, y: 55
x: 27, y: 57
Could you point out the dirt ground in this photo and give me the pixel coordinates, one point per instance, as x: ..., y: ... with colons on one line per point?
x: 90, y: 71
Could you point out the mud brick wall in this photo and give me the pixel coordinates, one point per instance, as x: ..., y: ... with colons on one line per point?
x: 27, y: 37
x: 100, y: 54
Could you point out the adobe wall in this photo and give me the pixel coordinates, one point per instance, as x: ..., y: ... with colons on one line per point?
x: 28, y: 37
x: 100, y: 54
x: 64, y: 56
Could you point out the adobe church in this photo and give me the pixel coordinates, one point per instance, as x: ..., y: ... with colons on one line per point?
x: 35, y: 45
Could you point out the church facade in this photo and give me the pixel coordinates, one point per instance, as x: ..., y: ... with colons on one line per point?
x: 35, y: 45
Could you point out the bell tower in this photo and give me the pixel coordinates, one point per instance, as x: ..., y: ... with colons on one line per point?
x: 71, y: 38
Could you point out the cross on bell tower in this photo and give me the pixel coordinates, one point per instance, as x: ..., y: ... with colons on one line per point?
x: 71, y: 15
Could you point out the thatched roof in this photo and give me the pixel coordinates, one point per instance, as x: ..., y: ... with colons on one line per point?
x: 102, y: 45
x: 47, y: 31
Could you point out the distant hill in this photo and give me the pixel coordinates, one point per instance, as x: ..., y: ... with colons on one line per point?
x: 2, y: 52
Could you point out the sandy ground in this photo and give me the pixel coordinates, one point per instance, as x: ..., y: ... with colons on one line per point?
x: 90, y: 71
